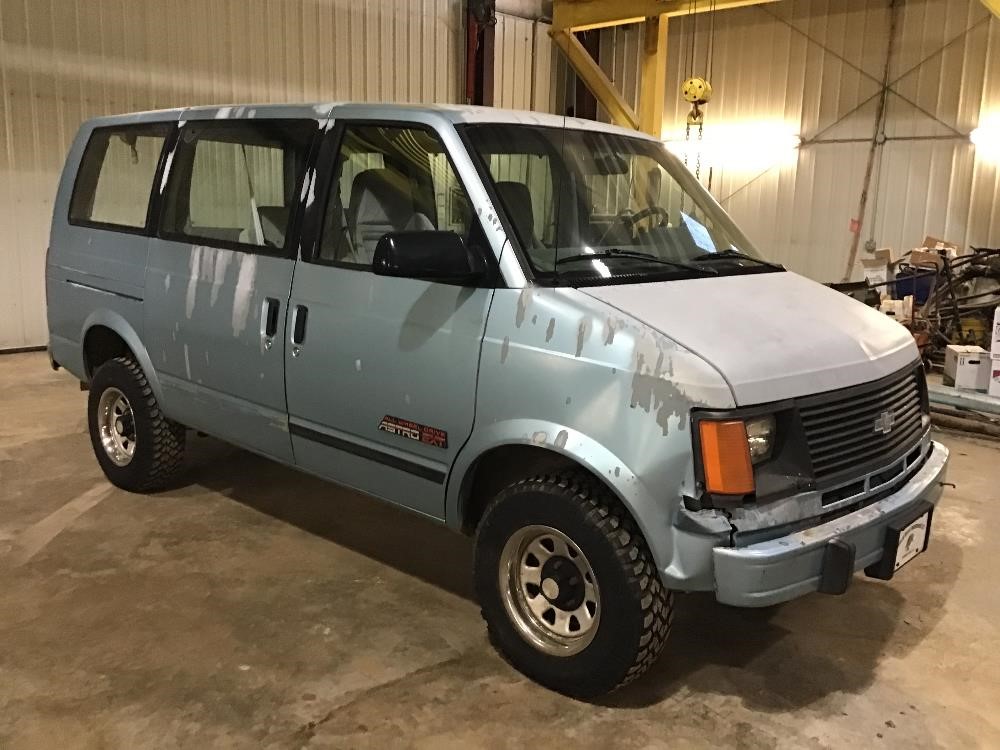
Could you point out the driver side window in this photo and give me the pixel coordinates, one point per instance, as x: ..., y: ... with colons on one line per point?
x: 389, y: 179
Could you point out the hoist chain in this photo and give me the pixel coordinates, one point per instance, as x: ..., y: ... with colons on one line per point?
x: 697, y: 166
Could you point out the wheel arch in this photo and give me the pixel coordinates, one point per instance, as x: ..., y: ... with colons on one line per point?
x: 107, y: 334
x: 521, y: 448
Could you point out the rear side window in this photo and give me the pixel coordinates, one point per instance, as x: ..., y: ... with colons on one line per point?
x: 115, y: 180
x: 235, y: 184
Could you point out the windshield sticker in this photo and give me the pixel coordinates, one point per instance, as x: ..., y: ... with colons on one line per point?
x: 699, y: 233
x: 414, y: 431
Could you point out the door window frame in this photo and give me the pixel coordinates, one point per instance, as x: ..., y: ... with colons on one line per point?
x: 326, y: 162
x: 294, y: 227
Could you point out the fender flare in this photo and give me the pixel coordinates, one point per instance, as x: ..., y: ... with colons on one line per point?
x: 613, y: 472
x: 117, y: 323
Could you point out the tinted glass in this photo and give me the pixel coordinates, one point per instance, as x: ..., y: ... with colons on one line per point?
x: 236, y: 183
x: 115, y: 180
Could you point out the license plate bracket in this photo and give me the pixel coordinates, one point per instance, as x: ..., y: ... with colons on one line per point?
x: 905, y: 538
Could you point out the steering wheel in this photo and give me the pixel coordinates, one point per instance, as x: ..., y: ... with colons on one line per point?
x: 630, y: 218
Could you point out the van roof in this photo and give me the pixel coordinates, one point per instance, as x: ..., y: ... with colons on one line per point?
x: 453, y: 113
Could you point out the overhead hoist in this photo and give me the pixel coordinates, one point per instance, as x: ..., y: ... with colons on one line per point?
x: 696, y: 89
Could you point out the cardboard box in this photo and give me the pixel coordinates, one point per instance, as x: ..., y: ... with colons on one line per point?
x: 879, y: 267
x: 933, y: 243
x: 995, y: 337
x: 967, y: 367
x: 994, y: 386
x: 926, y: 259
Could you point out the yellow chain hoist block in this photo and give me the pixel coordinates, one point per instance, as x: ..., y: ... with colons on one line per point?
x: 696, y: 91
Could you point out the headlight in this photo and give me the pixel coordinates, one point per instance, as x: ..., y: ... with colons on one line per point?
x: 760, y: 438
x: 730, y: 448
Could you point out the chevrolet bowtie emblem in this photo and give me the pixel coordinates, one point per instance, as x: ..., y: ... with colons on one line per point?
x: 885, y: 422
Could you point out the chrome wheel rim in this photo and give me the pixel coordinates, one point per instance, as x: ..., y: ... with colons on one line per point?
x: 116, y: 425
x: 549, y: 590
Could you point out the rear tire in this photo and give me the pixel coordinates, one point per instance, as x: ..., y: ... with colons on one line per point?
x: 567, y: 585
x: 138, y: 448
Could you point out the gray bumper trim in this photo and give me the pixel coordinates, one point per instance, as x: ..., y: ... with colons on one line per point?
x: 781, y: 569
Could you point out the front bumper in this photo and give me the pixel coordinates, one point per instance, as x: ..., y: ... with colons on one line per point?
x: 777, y: 570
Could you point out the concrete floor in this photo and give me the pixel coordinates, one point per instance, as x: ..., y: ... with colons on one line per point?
x: 257, y: 607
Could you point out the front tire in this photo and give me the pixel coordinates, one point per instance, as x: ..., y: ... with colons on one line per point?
x: 138, y: 447
x: 567, y: 586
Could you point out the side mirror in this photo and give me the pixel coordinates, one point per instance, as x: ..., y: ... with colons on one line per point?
x: 438, y: 256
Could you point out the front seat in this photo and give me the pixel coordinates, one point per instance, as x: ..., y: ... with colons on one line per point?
x: 381, y: 202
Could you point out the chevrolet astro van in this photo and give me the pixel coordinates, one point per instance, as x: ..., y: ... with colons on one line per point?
x: 538, y: 330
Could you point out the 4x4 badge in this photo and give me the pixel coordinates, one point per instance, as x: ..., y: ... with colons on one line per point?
x: 885, y: 422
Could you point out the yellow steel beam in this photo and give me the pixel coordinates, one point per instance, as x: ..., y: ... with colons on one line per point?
x: 653, y: 76
x: 595, y: 79
x: 994, y: 6
x: 581, y: 15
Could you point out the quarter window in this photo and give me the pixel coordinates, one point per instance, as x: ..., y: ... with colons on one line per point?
x: 236, y: 183
x: 115, y: 179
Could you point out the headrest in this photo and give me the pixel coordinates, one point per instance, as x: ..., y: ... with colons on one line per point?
x: 380, y: 196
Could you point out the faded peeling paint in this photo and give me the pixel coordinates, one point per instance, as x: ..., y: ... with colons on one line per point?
x: 523, y: 300
x: 653, y: 392
x: 540, y: 438
x: 582, y: 332
x: 611, y: 327
x: 561, y: 438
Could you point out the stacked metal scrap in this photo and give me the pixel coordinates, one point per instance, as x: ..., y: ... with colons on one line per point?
x: 963, y: 294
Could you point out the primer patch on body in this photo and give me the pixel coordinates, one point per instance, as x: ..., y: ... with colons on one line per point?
x: 582, y: 332
x: 523, y: 300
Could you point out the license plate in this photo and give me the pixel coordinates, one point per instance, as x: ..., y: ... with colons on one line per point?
x: 912, y: 541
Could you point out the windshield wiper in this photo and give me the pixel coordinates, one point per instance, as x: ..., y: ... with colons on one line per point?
x: 737, y: 255
x: 637, y: 255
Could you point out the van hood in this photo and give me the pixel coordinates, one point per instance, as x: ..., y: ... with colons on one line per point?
x: 771, y: 335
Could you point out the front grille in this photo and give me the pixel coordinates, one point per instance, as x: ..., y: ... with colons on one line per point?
x: 845, y: 429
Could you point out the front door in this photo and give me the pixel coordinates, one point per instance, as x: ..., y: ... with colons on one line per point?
x: 382, y: 371
x: 219, y: 275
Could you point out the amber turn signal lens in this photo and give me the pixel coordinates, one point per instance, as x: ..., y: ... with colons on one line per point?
x: 725, y: 457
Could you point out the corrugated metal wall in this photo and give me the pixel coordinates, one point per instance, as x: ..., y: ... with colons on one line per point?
x: 522, y: 64
x: 801, y: 67
x: 63, y: 61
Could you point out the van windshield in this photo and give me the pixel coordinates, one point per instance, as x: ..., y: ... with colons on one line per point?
x: 593, y: 207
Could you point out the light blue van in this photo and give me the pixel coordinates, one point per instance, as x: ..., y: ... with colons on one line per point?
x: 538, y: 330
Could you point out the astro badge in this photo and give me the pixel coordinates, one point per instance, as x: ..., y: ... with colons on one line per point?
x: 419, y: 432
